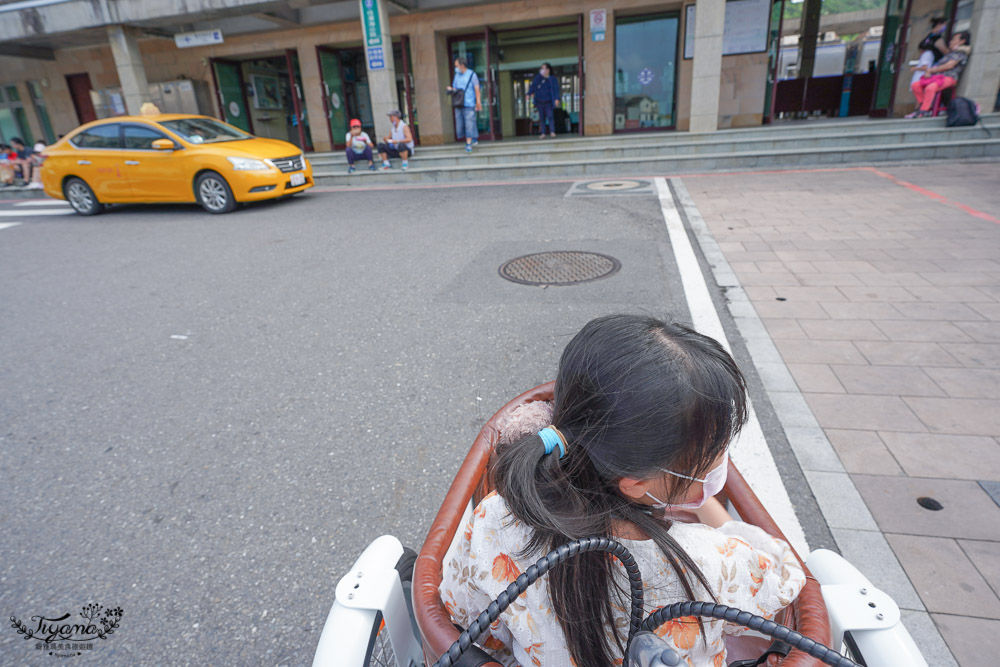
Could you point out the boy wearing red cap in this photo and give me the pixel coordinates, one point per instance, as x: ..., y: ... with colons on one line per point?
x: 359, y: 144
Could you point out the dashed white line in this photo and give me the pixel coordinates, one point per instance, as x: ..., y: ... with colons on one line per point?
x: 42, y: 202
x: 24, y: 214
x: 7, y: 225
x: 750, y: 451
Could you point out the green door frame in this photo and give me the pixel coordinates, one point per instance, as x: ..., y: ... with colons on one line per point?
x: 223, y: 106
x: 891, y: 55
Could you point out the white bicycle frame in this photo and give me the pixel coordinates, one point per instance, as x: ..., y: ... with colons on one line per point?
x: 854, y: 605
x: 870, y: 616
x: 370, y: 587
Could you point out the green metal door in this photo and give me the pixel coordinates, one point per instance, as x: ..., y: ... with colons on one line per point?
x: 333, y: 95
x: 229, y: 79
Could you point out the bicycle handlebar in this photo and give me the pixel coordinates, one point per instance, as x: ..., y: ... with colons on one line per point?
x: 533, y: 573
x: 747, y: 620
x: 653, y: 621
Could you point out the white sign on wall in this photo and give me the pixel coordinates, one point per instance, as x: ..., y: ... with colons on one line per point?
x: 598, y: 24
x: 747, y: 23
x: 185, y: 40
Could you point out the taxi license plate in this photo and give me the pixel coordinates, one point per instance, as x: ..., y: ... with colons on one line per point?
x: 297, y: 179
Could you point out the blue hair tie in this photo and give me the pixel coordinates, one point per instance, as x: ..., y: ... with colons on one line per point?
x: 551, y: 438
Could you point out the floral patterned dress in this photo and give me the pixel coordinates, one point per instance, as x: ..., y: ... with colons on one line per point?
x: 746, y: 567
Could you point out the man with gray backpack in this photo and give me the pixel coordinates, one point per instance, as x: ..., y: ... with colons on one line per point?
x: 467, y: 100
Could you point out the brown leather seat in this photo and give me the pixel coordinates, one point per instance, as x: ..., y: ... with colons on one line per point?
x: 807, y: 614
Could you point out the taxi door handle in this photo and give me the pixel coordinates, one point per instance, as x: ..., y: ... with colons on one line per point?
x: 131, y: 162
x: 83, y: 161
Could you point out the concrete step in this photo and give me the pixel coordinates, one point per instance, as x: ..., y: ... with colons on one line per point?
x: 783, y: 130
x: 794, y: 158
x: 562, y: 152
x: 21, y: 192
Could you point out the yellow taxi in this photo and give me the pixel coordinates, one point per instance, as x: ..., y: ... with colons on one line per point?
x: 170, y: 158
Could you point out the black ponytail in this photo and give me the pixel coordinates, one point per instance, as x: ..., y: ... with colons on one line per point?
x: 632, y: 395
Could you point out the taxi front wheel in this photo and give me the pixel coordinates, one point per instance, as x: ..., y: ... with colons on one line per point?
x: 214, y: 194
x: 81, y: 197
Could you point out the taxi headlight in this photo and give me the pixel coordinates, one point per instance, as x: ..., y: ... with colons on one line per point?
x: 248, y: 164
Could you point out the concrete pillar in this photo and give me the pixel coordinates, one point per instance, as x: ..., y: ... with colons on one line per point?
x: 981, y: 78
x: 709, y: 23
x: 131, y: 71
x: 599, y: 63
x: 381, y: 70
x: 807, y: 39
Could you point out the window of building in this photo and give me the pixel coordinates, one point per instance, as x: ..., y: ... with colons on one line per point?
x: 13, y: 122
x: 38, y: 101
x: 645, y: 72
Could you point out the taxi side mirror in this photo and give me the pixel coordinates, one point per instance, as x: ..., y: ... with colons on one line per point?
x: 164, y: 145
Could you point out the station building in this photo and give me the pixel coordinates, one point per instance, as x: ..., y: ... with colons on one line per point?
x: 299, y: 70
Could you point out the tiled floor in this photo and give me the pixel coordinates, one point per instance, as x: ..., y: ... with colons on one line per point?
x: 884, y: 303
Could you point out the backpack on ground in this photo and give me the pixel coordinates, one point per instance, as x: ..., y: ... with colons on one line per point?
x: 963, y: 112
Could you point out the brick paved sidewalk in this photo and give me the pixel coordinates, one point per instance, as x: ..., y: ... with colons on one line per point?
x: 881, y: 291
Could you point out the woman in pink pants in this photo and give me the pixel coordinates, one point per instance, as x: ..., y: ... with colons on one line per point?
x: 941, y: 75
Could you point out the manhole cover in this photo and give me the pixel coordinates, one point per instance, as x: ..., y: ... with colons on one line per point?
x: 615, y: 185
x: 559, y: 267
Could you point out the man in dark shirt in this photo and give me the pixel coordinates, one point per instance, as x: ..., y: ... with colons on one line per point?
x: 934, y: 41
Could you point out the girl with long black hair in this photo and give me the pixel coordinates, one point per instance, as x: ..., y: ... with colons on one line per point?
x: 645, y: 413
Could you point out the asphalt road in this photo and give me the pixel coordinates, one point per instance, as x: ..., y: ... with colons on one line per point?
x: 206, y: 418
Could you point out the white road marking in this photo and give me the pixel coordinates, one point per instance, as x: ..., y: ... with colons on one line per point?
x: 750, y: 452
x: 42, y: 202
x: 24, y: 214
x: 6, y: 225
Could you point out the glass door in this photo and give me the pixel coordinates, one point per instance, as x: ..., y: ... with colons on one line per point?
x: 474, y: 50
x: 404, y: 84
x: 300, y: 120
x: 773, y: 56
x: 232, y: 94
x: 13, y: 122
x: 891, y: 53
x: 645, y: 72
x: 334, y: 99
x: 35, y: 91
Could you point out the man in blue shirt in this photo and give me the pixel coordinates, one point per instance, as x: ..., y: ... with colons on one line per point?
x: 545, y: 89
x: 465, y: 116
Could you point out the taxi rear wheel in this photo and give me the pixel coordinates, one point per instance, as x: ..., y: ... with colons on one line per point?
x: 214, y: 194
x: 81, y: 197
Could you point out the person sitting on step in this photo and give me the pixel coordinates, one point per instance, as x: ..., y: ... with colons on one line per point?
x: 359, y: 144
x: 399, y: 143
x: 941, y: 75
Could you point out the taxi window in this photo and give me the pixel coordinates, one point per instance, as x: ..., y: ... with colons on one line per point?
x: 138, y: 137
x: 199, y: 130
x: 102, y: 136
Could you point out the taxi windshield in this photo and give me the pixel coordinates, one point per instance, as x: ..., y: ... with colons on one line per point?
x: 204, y: 130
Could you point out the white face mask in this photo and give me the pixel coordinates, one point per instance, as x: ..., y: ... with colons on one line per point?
x: 712, y: 483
